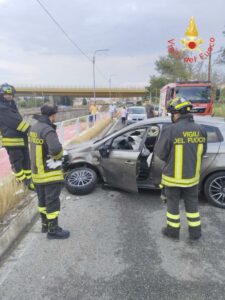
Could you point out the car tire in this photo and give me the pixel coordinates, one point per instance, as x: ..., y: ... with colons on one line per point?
x: 214, y: 189
x: 81, y: 181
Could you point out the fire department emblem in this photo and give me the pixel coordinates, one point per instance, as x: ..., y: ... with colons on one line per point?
x: 192, y: 42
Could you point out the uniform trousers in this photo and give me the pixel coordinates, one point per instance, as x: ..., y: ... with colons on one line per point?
x: 49, y: 199
x: 20, y: 162
x: 190, y: 197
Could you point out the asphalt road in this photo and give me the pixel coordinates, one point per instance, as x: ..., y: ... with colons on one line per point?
x: 116, y: 251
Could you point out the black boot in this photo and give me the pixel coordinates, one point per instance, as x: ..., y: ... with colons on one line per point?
x: 195, y: 233
x: 172, y: 233
x: 44, y: 222
x: 56, y: 232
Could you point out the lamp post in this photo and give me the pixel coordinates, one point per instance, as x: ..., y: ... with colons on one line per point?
x: 110, y: 85
x: 93, y: 61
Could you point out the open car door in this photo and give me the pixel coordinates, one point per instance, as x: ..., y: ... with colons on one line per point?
x: 120, y: 167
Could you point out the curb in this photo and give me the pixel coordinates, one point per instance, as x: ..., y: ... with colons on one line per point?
x: 16, y: 221
x: 23, y: 215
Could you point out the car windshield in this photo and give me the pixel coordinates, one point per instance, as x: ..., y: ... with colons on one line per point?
x: 136, y: 110
x: 200, y: 94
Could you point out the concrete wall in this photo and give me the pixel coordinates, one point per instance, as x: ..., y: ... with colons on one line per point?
x: 63, y: 114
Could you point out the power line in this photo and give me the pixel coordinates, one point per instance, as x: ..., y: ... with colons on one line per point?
x: 62, y: 30
x: 66, y: 34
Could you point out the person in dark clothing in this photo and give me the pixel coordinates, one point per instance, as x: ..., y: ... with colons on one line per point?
x: 14, y: 138
x: 46, y: 164
x: 149, y: 110
x: 182, y: 145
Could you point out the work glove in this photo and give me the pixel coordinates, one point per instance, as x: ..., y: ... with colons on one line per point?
x: 53, y: 164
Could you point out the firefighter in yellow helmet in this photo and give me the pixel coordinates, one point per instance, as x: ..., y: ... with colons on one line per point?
x: 14, y: 131
x: 46, y: 154
x: 181, y: 146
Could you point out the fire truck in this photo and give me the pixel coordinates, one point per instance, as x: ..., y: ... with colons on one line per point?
x: 198, y: 92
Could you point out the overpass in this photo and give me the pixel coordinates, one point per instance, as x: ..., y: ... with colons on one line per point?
x: 81, y: 92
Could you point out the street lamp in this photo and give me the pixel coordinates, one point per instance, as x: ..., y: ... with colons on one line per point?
x: 93, y: 61
x: 110, y: 88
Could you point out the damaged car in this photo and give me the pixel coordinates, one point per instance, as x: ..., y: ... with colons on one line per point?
x: 125, y: 159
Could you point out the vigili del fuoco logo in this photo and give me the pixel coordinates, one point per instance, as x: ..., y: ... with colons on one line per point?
x: 192, y: 44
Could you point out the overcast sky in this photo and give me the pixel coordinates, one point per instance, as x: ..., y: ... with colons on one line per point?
x: 35, y: 52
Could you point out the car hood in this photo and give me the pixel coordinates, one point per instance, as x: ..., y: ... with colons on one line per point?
x: 82, y: 147
x: 136, y: 115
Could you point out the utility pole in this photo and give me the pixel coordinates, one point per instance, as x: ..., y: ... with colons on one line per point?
x: 110, y: 85
x: 93, y: 62
x: 210, y: 66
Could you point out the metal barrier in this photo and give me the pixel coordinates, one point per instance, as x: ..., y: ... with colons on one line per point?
x: 69, y: 129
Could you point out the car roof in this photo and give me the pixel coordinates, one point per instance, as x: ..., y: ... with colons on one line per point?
x: 206, y: 120
x: 136, y: 107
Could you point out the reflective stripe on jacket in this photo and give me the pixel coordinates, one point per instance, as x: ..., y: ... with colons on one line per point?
x: 182, y: 145
x: 12, y: 126
x: 44, y: 144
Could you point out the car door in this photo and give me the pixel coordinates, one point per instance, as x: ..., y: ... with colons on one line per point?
x: 120, y: 168
x: 213, y: 145
x: 156, y: 165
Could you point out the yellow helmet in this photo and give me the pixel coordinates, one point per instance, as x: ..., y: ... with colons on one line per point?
x: 180, y: 105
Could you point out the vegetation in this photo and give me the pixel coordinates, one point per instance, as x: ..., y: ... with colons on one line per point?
x: 221, y: 57
x: 9, y: 196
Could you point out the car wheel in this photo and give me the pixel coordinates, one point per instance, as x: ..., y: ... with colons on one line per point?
x: 81, y: 181
x: 214, y: 189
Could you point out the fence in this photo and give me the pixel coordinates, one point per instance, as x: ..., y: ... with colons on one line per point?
x: 67, y: 131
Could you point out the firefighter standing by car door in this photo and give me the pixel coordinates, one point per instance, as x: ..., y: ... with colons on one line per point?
x: 14, y: 138
x: 182, y: 146
x: 46, y: 163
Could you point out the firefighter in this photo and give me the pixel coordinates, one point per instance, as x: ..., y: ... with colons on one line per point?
x: 14, y: 138
x: 181, y: 146
x: 46, y: 164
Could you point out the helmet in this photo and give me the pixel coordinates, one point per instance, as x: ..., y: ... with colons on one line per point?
x: 180, y: 105
x: 7, y: 89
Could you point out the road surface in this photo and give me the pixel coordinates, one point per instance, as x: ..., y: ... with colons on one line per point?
x: 116, y: 251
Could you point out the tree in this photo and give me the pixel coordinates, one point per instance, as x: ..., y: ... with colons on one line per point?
x: 221, y: 57
x: 172, y: 66
x: 156, y: 83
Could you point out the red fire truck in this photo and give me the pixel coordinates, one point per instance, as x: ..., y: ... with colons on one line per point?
x: 198, y: 92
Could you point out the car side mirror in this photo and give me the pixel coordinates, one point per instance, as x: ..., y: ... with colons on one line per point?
x: 104, y: 151
x: 217, y: 94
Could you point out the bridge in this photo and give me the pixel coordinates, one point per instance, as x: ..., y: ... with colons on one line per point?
x: 81, y: 92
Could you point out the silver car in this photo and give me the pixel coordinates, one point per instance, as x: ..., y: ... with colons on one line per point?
x: 125, y: 159
x: 135, y: 114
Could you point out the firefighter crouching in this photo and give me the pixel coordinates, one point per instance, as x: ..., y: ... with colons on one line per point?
x: 46, y: 161
x: 182, y: 145
x: 14, y: 135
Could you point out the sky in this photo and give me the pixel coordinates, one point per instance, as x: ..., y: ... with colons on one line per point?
x: 34, y: 52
